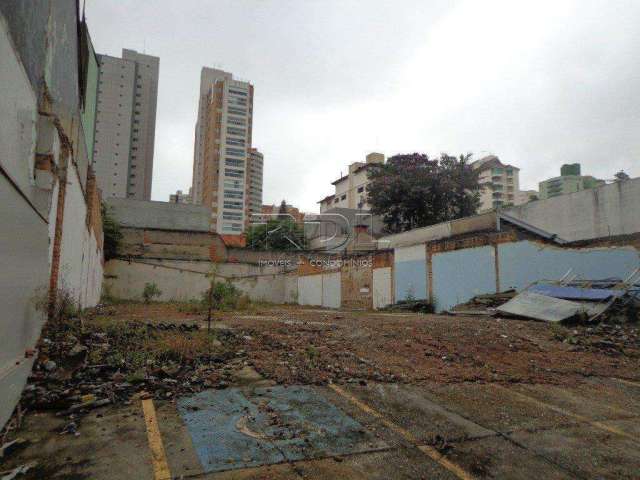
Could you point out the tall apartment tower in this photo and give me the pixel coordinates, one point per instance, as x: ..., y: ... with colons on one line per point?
x: 254, y: 183
x: 222, y: 165
x: 126, y: 124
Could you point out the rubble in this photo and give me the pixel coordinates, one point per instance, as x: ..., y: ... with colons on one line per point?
x: 422, y: 306
x: 483, y: 304
x: 570, y: 300
x: 86, y: 365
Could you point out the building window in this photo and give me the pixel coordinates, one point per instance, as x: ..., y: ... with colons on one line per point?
x: 230, y: 172
x: 231, y: 205
x: 238, y: 92
x: 234, y: 163
x: 236, y: 131
x: 236, y: 141
x: 236, y: 152
x: 343, y: 197
x: 360, y: 189
x: 237, y: 111
x: 233, y: 194
x: 233, y: 184
x: 236, y: 120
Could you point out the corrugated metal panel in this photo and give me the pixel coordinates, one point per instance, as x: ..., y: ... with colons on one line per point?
x: 331, y: 290
x: 310, y: 290
x: 410, y: 267
x: 522, y: 263
x: 459, y: 275
x: 574, y: 293
x: 382, y: 287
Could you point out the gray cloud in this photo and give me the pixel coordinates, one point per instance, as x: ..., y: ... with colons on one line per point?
x: 537, y: 83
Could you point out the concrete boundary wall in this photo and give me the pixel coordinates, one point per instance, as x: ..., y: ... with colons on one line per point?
x: 606, y: 211
x: 496, y: 262
x: 184, y: 280
x: 410, y: 272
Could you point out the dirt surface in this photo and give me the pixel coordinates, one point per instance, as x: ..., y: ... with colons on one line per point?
x: 495, y: 398
x: 299, y: 345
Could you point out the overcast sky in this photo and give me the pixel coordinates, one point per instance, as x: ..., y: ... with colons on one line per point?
x: 536, y: 83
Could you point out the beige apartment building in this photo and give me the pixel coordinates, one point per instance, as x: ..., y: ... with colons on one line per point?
x: 227, y: 172
x: 126, y: 124
x: 500, y: 184
x: 254, y: 183
x: 351, y: 189
x: 181, y: 197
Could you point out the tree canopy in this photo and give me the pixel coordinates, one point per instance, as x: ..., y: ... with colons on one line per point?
x: 411, y: 190
x: 276, y: 234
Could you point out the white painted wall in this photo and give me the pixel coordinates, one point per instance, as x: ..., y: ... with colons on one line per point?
x: 331, y: 291
x: 80, y: 260
x: 291, y: 288
x: 310, y: 290
x: 382, y: 288
x: 184, y: 280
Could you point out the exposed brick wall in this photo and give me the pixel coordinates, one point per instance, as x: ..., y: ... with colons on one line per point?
x: 632, y: 240
x: 94, y: 214
x: 57, y: 236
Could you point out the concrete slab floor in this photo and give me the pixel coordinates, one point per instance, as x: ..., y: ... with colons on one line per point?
x: 461, y: 431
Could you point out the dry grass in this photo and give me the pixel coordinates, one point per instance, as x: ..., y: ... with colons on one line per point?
x: 182, y: 347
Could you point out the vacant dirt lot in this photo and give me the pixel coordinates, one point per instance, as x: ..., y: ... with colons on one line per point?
x: 298, y: 345
x: 289, y: 392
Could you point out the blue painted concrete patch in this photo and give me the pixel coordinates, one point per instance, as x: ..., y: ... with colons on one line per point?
x: 237, y: 428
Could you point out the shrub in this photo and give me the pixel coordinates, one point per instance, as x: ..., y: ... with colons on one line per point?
x: 150, y: 291
x: 112, y: 234
x: 222, y: 295
x: 64, y: 304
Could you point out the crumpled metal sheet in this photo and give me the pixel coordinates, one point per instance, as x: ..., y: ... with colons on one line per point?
x: 529, y: 304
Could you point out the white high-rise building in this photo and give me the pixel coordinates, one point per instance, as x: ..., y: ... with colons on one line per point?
x: 126, y: 124
x: 223, y: 177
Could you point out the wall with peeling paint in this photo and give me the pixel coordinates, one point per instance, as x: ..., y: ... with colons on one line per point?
x: 382, y: 287
x: 24, y: 238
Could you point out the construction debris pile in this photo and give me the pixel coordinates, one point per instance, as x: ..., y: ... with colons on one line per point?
x: 568, y: 300
x: 611, y: 340
x: 82, y: 367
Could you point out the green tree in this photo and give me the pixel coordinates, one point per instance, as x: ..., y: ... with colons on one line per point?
x: 112, y: 233
x: 412, y: 191
x: 282, y: 211
x: 276, y: 234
